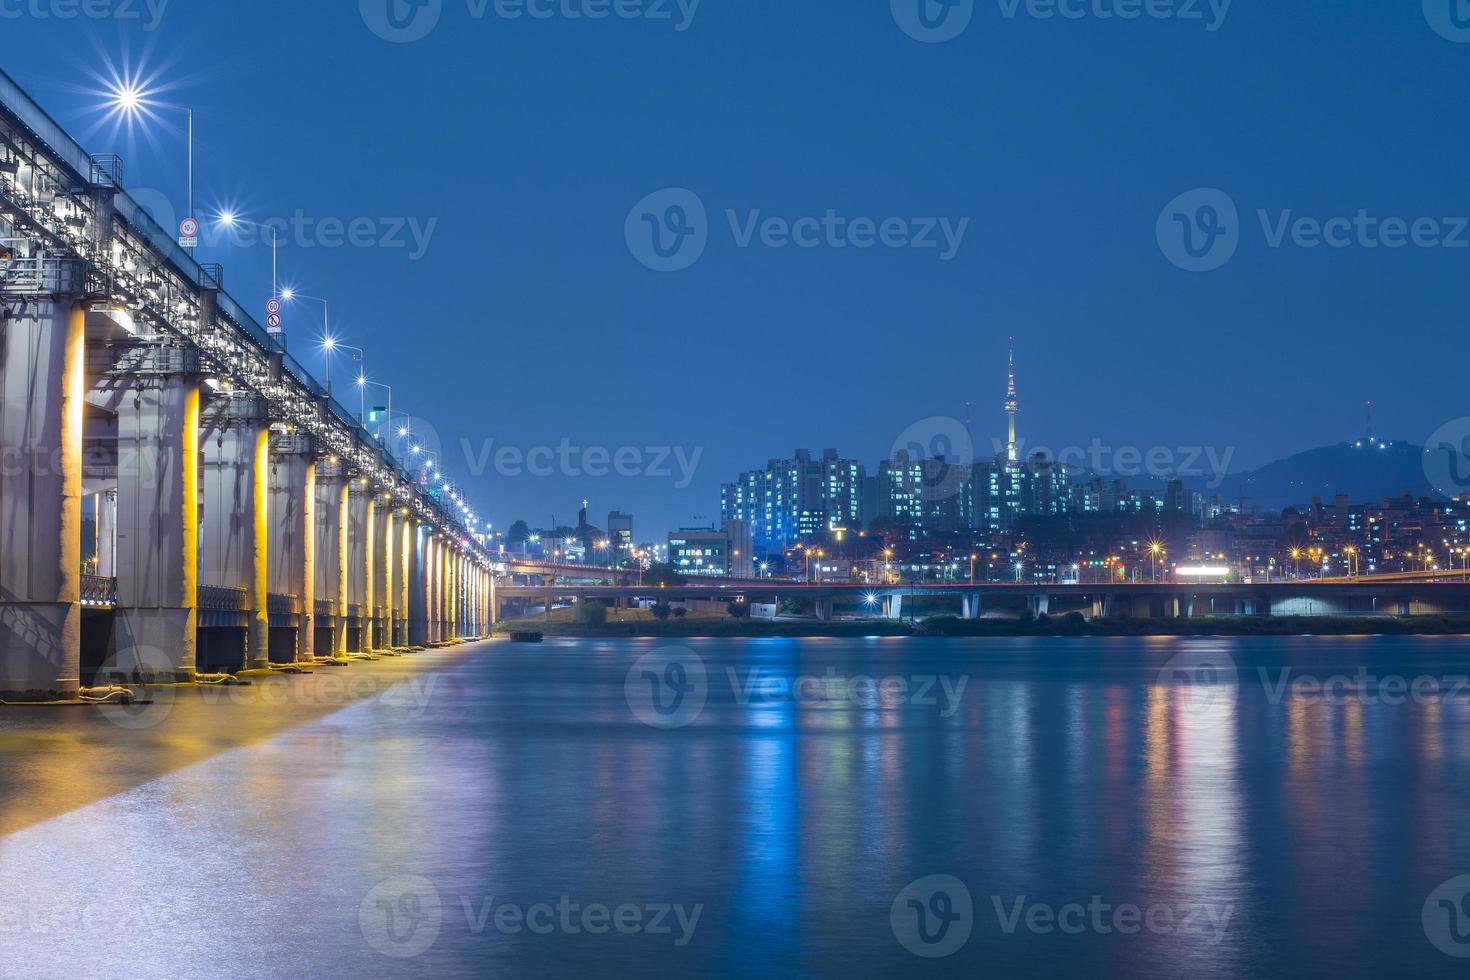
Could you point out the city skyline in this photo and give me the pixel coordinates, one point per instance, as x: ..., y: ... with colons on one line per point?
x: 1203, y: 468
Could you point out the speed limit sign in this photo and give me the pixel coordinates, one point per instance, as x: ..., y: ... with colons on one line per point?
x: 273, y: 307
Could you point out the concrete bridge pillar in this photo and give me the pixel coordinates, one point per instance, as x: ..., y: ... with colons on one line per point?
x: 424, y: 582
x: 236, y: 450
x: 455, y: 612
x: 417, y: 620
x: 452, y: 590
x: 970, y: 605
x: 156, y: 622
x: 441, y: 592
x: 893, y: 605
x: 472, y: 598
x: 360, y: 509
x: 402, y: 577
x: 1041, y: 605
x: 481, y: 601
x: 331, y: 547
x: 42, y: 387
x: 384, y: 534
x: 433, y: 587
x: 824, y: 609
x: 293, y: 531
x: 461, y: 597
x: 494, y: 607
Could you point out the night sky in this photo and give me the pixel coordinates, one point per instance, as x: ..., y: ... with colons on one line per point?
x: 1055, y: 144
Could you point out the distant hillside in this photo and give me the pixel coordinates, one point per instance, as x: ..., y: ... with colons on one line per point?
x: 1365, y: 471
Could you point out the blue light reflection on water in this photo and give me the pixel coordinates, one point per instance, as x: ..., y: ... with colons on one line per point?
x: 1065, y: 770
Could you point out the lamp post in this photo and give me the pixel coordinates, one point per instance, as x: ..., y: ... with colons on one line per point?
x: 329, y: 343
x: 363, y: 383
x: 230, y: 219
x: 131, y: 101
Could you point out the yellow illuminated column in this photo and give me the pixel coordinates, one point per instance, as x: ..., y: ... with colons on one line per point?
x: 42, y: 388
x: 446, y: 628
x: 258, y: 650
x: 431, y: 586
x: 189, y: 514
x: 156, y: 561
x: 344, y: 518
x: 306, y: 638
x: 388, y: 598
x: 494, y: 603
x: 405, y: 566
x: 365, y: 620
x: 454, y: 559
x: 292, y: 545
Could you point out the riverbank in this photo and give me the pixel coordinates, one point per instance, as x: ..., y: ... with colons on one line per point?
x: 1069, y: 625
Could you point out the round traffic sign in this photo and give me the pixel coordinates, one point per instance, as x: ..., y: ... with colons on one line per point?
x: 273, y: 307
x: 273, y: 321
x: 188, y: 228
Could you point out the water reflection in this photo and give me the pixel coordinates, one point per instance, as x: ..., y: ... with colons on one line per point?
x: 1307, y: 831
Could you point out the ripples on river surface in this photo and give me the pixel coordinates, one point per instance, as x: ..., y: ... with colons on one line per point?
x: 830, y: 807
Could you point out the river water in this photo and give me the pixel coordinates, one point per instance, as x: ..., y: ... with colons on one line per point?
x: 1170, y: 807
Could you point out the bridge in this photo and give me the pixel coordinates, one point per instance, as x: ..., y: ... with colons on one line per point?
x: 1306, y: 597
x: 241, y: 517
x: 522, y: 566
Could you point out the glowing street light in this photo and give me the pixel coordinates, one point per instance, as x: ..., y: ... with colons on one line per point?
x: 128, y: 99
x: 229, y: 219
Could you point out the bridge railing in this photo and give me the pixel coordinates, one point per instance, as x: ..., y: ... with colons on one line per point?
x: 219, y: 598
x: 99, y: 590
x: 85, y: 169
x: 45, y: 129
x: 284, y: 605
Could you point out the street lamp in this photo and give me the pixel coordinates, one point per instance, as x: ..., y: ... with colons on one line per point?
x: 329, y: 346
x: 129, y: 99
x: 363, y: 383
x: 230, y: 219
